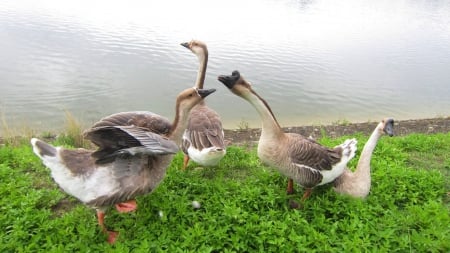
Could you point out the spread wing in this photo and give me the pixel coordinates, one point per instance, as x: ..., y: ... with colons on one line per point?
x: 123, y: 141
x: 152, y: 122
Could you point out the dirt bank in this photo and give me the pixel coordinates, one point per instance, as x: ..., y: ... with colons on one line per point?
x: 403, y: 127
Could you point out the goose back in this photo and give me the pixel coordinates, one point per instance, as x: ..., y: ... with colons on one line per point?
x: 204, y: 129
x: 148, y: 120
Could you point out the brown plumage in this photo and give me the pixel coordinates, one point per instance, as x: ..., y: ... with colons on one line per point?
x: 130, y: 161
x: 203, y: 140
x: 357, y: 184
x: 303, y: 160
x: 150, y: 121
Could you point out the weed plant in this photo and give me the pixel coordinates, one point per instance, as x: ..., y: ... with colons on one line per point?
x: 244, y: 207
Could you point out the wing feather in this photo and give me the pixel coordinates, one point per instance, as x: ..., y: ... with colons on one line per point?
x: 150, y: 121
x: 205, y: 128
x: 306, y: 152
x: 308, y: 177
x: 114, y: 141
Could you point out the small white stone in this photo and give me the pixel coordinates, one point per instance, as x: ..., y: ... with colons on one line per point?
x: 196, y: 204
x: 160, y: 213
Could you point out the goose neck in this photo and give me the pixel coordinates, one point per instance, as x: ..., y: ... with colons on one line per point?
x: 201, y: 74
x: 179, y: 125
x: 270, y: 126
x: 366, y: 154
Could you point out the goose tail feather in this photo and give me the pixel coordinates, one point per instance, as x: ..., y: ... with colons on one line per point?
x: 349, y: 149
x: 42, y: 149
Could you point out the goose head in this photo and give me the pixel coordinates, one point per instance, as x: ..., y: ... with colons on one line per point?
x: 191, y: 97
x: 387, y: 126
x: 236, y: 83
x: 196, y: 46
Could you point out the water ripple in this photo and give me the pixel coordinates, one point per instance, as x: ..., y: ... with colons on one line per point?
x: 313, y: 61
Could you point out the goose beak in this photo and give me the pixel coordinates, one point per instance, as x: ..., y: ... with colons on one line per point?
x: 228, y: 80
x: 185, y: 44
x: 204, y: 93
x: 389, y: 127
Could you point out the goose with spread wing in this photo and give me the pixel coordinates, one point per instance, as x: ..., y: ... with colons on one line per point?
x: 134, y: 151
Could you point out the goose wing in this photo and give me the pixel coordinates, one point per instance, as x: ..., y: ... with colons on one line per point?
x: 123, y: 141
x: 310, y: 158
x: 204, y: 129
x: 132, y: 176
x: 150, y: 121
x: 309, y: 153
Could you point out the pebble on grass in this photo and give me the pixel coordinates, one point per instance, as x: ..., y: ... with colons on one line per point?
x: 196, y: 204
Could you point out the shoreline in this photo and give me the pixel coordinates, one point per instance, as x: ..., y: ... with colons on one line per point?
x: 402, y: 127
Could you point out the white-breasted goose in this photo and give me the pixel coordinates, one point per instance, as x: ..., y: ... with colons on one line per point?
x: 131, y: 159
x: 203, y: 140
x: 299, y: 158
x: 358, y: 183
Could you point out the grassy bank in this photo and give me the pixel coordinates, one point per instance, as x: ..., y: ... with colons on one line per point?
x: 243, y: 206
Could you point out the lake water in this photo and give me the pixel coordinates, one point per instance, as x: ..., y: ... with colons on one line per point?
x: 313, y: 61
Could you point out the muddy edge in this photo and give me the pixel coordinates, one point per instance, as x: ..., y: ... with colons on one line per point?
x: 402, y: 127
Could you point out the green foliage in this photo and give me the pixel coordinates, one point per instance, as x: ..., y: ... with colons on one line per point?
x: 73, y: 132
x: 244, y: 207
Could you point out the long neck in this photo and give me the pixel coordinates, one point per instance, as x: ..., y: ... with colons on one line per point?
x: 363, y: 167
x: 270, y: 126
x: 203, y: 63
x: 179, y: 124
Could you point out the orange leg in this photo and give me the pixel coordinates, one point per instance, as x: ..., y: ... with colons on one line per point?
x: 290, y: 187
x: 112, y: 235
x: 306, y: 194
x: 126, y: 207
x: 185, y: 161
x: 295, y: 205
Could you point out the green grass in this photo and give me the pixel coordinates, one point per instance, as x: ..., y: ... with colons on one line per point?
x: 244, y: 207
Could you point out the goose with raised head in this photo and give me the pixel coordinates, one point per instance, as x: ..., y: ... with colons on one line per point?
x: 131, y: 160
x: 299, y: 158
x: 203, y: 140
x: 358, y: 183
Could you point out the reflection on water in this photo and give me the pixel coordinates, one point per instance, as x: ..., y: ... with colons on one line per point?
x: 313, y: 61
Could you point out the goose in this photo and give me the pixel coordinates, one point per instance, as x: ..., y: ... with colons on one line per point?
x: 299, y: 158
x: 131, y: 160
x: 203, y: 140
x: 357, y: 184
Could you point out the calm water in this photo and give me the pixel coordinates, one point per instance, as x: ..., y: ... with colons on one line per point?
x: 314, y: 61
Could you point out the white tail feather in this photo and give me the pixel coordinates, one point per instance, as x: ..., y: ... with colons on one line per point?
x: 349, y: 148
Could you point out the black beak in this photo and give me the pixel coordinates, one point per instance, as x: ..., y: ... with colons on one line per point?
x: 185, y: 44
x: 204, y: 93
x: 389, y: 127
x: 230, y: 81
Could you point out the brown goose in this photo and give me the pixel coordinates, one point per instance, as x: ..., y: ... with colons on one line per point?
x: 357, y: 184
x: 203, y: 140
x: 301, y: 159
x: 131, y: 159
